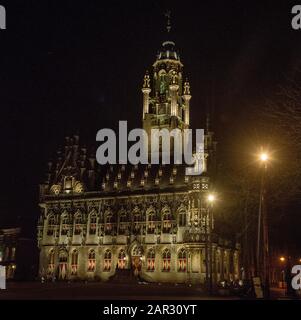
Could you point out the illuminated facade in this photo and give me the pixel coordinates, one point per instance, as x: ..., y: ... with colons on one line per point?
x: 152, y: 219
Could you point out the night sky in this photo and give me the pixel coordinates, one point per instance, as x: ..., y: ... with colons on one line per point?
x: 68, y: 67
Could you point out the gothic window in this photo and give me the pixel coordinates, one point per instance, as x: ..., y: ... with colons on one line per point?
x: 74, y: 262
x: 182, y: 218
x: 122, y: 223
x: 64, y: 229
x: 151, y: 217
x: 51, y: 225
x: 182, y: 260
x: 91, y: 261
x: 107, y: 260
x: 150, y: 260
x: 93, y: 220
x: 50, y: 262
x: 63, y: 258
x: 166, y: 221
x: 109, y: 223
x: 121, y: 259
x: 137, y: 221
x: 78, y: 224
x: 166, y: 260
x: 68, y: 184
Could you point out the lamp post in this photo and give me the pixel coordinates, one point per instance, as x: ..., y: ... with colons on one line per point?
x: 211, y: 199
x: 263, y: 220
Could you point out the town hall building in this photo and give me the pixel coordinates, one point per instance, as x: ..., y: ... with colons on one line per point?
x: 154, y: 220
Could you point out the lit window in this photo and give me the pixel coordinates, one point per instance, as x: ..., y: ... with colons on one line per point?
x: 78, y: 224
x: 51, y: 225
x: 151, y: 217
x: 166, y: 221
x: 182, y: 260
x: 50, y: 270
x: 74, y: 262
x: 166, y: 260
x: 150, y: 260
x: 121, y: 259
x: 93, y: 220
x: 91, y: 261
x: 65, y: 227
x: 107, y: 260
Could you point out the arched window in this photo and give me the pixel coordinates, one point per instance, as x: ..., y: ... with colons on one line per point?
x: 121, y: 259
x: 166, y: 260
x: 50, y: 262
x: 107, y: 260
x: 109, y: 223
x: 93, y: 220
x: 151, y: 226
x: 78, y: 220
x: 182, y: 260
x: 74, y: 262
x: 65, y: 222
x: 151, y: 260
x: 166, y: 221
x: 137, y: 221
x: 91, y: 261
x: 182, y: 218
x: 63, y: 258
x: 51, y: 225
x: 122, y: 223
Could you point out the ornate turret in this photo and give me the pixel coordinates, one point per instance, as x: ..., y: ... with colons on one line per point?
x: 165, y: 96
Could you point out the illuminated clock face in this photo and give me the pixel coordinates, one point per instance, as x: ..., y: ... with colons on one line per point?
x: 55, y: 189
x: 79, y: 188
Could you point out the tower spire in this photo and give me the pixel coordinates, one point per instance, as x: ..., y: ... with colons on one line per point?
x: 168, y: 23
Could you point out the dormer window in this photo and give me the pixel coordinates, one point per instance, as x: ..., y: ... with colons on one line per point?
x: 174, y: 171
x: 132, y: 175
x: 142, y: 182
x: 171, y: 180
x: 129, y: 183
x: 123, y: 167
x: 108, y: 176
x: 68, y: 184
x: 160, y: 172
x: 103, y: 185
x: 115, y: 185
x: 136, y: 167
x: 157, y: 181
x: 145, y: 173
x: 186, y: 179
x: 119, y: 176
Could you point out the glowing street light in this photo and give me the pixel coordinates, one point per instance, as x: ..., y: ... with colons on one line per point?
x: 211, y: 198
x: 264, y: 157
x: 282, y: 259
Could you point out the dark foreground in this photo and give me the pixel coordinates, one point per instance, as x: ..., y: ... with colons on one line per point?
x: 108, y: 291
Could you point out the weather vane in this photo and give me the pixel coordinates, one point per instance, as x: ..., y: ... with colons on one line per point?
x: 168, y: 16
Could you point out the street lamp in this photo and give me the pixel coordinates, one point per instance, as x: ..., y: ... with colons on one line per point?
x: 210, y: 199
x: 282, y: 259
x: 262, y: 219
